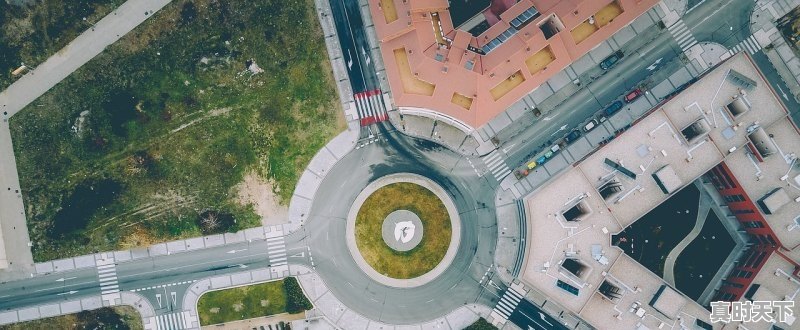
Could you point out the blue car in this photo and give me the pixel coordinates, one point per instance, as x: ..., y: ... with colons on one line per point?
x: 613, y: 108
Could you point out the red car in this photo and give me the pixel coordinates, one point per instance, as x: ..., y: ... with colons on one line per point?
x: 634, y: 94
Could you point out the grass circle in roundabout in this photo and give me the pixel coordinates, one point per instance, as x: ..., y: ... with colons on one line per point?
x: 426, y: 255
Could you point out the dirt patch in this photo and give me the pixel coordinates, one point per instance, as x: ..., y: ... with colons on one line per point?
x: 254, y: 190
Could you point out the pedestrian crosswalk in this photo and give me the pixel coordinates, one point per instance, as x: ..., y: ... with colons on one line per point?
x: 107, y: 276
x: 494, y: 162
x: 276, y: 250
x: 683, y: 36
x: 750, y: 44
x: 507, y: 304
x: 172, y: 321
x: 371, y: 107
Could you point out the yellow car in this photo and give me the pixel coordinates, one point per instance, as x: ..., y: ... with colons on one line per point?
x: 532, y: 165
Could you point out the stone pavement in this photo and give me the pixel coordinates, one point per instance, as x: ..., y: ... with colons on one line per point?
x: 15, y: 240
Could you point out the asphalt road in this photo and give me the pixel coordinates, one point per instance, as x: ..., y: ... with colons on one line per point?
x: 530, y: 316
x: 143, y: 273
x: 473, y: 197
x: 723, y: 21
x: 355, y: 46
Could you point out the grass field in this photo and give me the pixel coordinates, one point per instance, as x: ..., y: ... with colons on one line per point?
x: 149, y: 141
x: 31, y: 33
x: 252, y: 301
x: 118, y: 317
x: 436, y: 230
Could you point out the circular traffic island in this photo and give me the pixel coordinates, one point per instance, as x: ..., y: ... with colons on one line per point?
x: 403, y: 230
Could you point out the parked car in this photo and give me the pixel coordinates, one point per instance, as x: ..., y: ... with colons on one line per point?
x: 612, y: 60
x: 634, y: 94
x: 541, y: 160
x: 613, y: 108
x: 572, y: 136
x: 532, y: 165
x: 590, y: 125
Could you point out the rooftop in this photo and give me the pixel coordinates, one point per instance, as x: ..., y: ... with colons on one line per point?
x: 615, y: 186
x: 431, y: 64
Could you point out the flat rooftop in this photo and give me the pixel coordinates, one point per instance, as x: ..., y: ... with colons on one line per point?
x: 615, y: 186
x: 432, y: 65
x: 774, y: 284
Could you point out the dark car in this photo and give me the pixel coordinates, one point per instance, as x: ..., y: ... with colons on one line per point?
x: 610, y: 61
x: 634, y: 94
x: 572, y: 136
x: 613, y: 108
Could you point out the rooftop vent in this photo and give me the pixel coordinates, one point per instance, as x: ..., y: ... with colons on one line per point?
x: 578, y: 211
x: 610, y: 291
x: 739, y: 105
x: 667, y: 179
x: 774, y: 200
x: 696, y: 131
x: 762, y: 142
x: 610, y: 188
x: 576, y: 268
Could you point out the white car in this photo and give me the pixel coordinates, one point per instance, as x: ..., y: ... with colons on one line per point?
x: 590, y: 125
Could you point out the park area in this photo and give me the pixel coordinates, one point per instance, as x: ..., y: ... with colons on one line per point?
x: 252, y: 301
x: 200, y: 121
x: 118, y: 317
x: 435, y: 238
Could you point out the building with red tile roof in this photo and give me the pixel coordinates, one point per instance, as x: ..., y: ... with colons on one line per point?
x: 517, y: 46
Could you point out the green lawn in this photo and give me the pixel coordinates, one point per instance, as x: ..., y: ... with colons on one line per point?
x: 246, y: 302
x: 118, y: 317
x: 149, y: 140
x: 435, y: 238
x: 31, y: 33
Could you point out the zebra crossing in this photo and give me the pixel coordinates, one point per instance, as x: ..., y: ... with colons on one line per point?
x: 494, y: 162
x: 507, y: 304
x: 172, y: 321
x: 750, y: 44
x: 682, y: 35
x: 276, y: 250
x: 371, y: 107
x: 107, y: 276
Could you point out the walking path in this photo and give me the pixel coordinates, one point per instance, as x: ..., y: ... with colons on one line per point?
x: 702, y: 213
x: 14, y: 239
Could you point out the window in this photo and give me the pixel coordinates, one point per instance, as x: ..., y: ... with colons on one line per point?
x: 751, y: 291
x: 753, y: 224
x: 703, y: 325
x: 566, y: 287
x: 744, y: 211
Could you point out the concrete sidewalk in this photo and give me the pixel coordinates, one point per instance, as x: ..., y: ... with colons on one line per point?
x: 15, y: 241
x: 786, y: 62
x: 334, y: 312
x: 74, y: 306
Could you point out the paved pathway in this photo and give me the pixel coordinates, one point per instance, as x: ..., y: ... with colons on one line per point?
x: 15, y: 239
x: 702, y: 214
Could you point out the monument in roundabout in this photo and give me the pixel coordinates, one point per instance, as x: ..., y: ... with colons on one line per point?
x: 403, y: 230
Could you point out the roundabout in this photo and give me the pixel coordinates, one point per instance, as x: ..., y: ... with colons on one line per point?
x: 403, y: 230
x: 457, y: 279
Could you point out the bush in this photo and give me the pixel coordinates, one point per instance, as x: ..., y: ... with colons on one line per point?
x: 296, y: 300
x: 481, y: 324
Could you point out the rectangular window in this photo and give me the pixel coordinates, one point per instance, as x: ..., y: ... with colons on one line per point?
x: 566, y: 287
